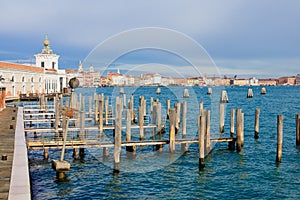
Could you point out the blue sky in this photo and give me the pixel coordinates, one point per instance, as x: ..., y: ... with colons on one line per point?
x: 259, y: 38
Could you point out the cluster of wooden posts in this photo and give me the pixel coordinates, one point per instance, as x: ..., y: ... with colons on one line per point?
x: 105, y: 117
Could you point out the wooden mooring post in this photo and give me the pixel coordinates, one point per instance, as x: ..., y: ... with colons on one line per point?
x: 90, y: 106
x: 231, y: 145
x: 263, y: 91
x: 279, y: 137
x: 224, y: 97
x: 118, y: 136
x: 186, y: 93
x: 172, y: 120
x: 209, y: 91
x: 184, y: 147
x: 222, y: 117
x: 256, y: 126
x: 62, y: 166
x: 177, y: 116
x: 96, y: 100
x: 250, y: 93
x: 201, y: 134
x: 297, y: 129
x: 141, y: 121
x: 207, y: 133
x: 168, y: 108
x: 101, y: 108
x: 239, y: 130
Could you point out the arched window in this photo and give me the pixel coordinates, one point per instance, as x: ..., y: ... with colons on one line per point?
x: 23, y: 78
x: 13, y: 78
x: 40, y: 79
x: 31, y: 79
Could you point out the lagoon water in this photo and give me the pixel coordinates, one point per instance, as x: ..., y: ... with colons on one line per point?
x: 252, y: 173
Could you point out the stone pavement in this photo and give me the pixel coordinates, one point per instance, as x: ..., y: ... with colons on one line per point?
x: 8, y: 118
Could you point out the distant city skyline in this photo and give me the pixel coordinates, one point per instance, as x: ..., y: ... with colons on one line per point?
x: 244, y: 38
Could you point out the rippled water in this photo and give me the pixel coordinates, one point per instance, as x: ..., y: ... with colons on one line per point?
x: 252, y: 173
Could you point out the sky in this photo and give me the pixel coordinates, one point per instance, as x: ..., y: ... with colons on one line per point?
x: 246, y: 38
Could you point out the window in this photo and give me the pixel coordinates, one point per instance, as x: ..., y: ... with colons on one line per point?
x: 53, y: 64
x: 31, y: 79
x: 42, y: 64
x: 23, y: 79
x: 13, y: 79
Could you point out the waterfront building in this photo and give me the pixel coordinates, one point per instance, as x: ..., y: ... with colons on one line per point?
x: 286, y: 80
x: 267, y: 81
x: 89, y: 78
x: 239, y: 82
x: 253, y: 81
x: 43, y: 77
x: 297, y: 80
x: 180, y: 81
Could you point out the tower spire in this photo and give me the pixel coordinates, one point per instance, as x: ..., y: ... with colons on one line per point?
x: 46, y: 49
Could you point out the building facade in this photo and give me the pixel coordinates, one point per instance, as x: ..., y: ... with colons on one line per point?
x: 44, y: 77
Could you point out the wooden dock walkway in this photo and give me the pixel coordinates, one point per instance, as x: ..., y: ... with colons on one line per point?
x: 40, y: 145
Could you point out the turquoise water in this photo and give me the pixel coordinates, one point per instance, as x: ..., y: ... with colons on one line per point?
x: 252, y: 173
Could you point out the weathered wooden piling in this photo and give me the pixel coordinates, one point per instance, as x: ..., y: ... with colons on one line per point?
x: 46, y: 153
x: 231, y: 144
x: 96, y: 100
x: 279, y: 137
x: 105, y: 152
x: 158, y: 90
x: 101, y: 109
x: 201, y: 134
x: 106, y: 110
x: 239, y: 130
x: 168, y: 108
x: 177, y: 116
x: 250, y: 93
x: 297, y: 129
x: 158, y: 115
x: 65, y: 132
x: 222, y: 117
x: 122, y: 90
x: 154, y: 117
x: 61, y: 166
x: 90, y: 106
x: 207, y: 133
x: 57, y: 115
x: 124, y: 101
x: 82, y: 124
x: 263, y: 91
x: 75, y: 153
x: 256, y: 126
x: 130, y: 149
x: 141, y: 121
x: 224, y: 97
x: 118, y: 137
x: 200, y: 107
x: 184, y: 147
x: 172, y: 129
x: 209, y: 91
x: 186, y: 93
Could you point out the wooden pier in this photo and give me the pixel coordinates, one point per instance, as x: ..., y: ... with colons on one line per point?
x: 104, y: 125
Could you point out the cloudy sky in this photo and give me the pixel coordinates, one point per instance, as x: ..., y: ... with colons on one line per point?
x: 251, y: 37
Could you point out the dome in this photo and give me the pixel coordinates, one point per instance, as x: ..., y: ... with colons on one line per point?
x: 46, y: 43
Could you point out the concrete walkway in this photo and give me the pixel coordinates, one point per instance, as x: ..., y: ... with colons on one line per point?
x: 14, y: 172
x: 20, y: 181
x: 8, y: 118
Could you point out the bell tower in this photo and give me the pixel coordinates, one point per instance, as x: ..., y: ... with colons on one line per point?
x: 47, y: 59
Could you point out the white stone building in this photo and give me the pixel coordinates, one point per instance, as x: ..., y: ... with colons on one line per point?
x: 44, y: 77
